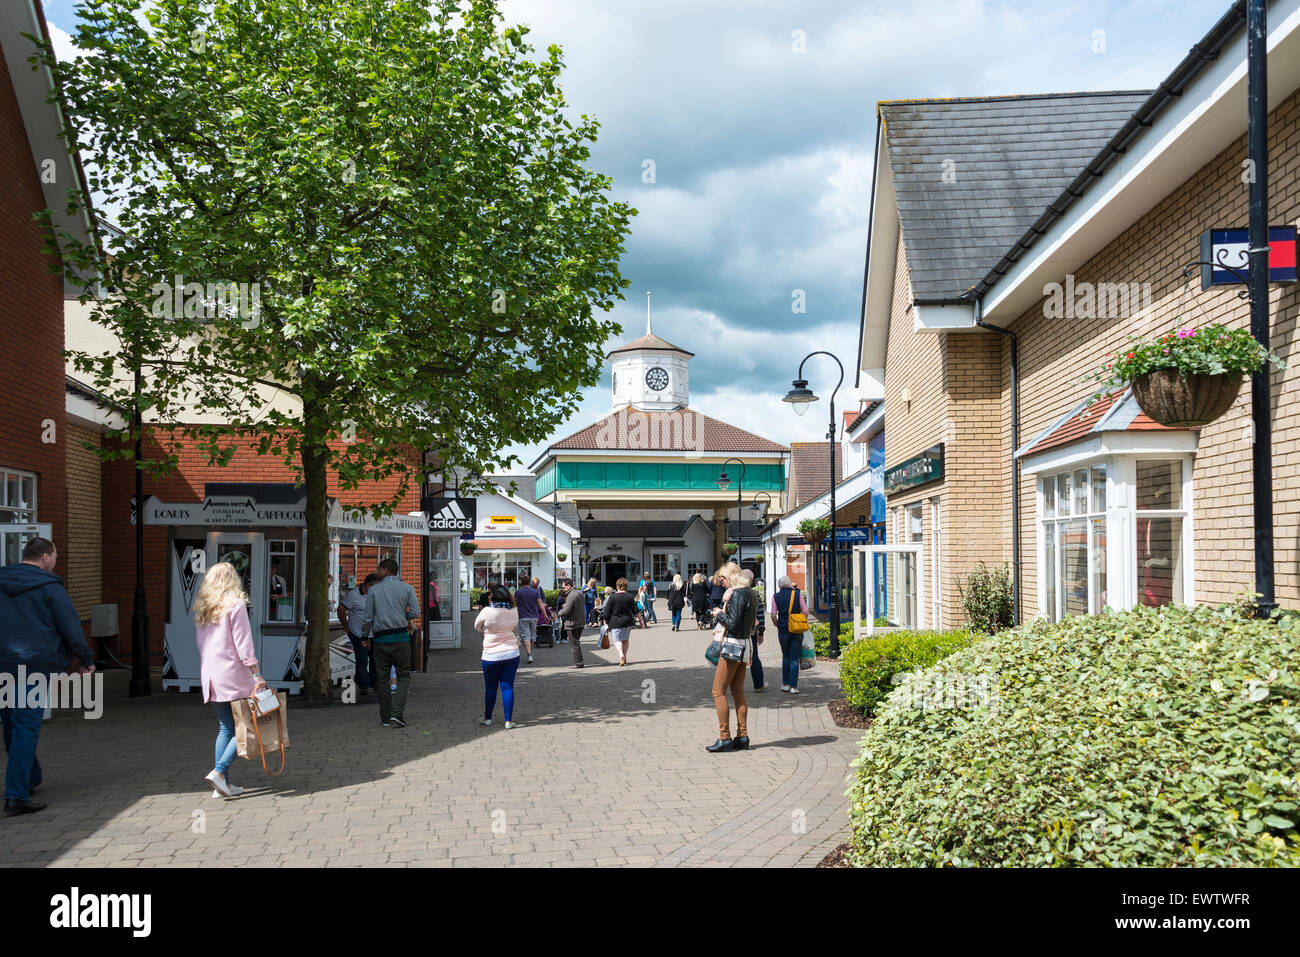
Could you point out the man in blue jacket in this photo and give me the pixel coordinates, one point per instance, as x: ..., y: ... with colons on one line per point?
x: 39, y: 629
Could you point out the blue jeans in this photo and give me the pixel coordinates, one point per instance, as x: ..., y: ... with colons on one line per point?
x: 500, y: 673
x: 650, y: 610
x: 226, y: 747
x: 756, y: 666
x: 22, y: 729
x: 677, y: 618
x: 365, y: 663
x: 791, y: 649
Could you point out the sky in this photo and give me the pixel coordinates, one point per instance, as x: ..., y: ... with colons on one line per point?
x: 759, y: 119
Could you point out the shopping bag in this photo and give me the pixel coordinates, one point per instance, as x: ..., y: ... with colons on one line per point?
x: 256, y: 734
x: 808, y: 653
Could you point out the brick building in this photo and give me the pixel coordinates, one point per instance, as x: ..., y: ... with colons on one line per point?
x: 986, y: 213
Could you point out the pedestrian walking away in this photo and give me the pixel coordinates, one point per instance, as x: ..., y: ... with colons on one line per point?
x: 650, y: 594
x: 699, y: 594
x: 228, y: 667
x: 391, y: 612
x: 620, y: 614
x: 497, y: 624
x: 677, y: 601
x: 589, y: 594
x: 573, y: 613
x: 528, y: 603
x: 736, y: 621
x: 41, y: 633
x: 756, y: 666
x: 788, y: 599
x: 352, y: 607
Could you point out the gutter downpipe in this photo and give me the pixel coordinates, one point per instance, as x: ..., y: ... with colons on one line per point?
x: 1015, y: 462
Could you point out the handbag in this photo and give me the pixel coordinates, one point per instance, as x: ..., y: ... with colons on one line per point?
x: 265, y: 730
x: 604, y: 637
x: 796, y: 622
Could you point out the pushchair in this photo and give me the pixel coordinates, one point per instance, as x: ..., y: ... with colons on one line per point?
x: 545, y: 630
x: 640, y: 614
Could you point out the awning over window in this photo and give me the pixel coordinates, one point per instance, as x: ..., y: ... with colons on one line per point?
x: 1117, y: 412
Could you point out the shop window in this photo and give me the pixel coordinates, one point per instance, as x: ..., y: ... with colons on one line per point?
x: 281, y: 580
x: 698, y: 568
x: 664, y: 565
x: 17, y: 507
x: 1159, y: 528
x: 1074, y: 542
x: 501, y: 571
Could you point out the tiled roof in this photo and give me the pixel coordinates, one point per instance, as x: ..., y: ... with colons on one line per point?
x: 1116, y: 412
x: 509, y: 544
x: 859, y: 417
x: 810, y: 470
x: 650, y: 342
x: 971, y: 175
x: 670, y: 433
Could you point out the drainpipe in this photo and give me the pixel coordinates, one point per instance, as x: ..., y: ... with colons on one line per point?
x: 1015, y: 463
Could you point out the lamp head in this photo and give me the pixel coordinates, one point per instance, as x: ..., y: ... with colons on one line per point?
x: 800, y: 396
x: 724, y: 482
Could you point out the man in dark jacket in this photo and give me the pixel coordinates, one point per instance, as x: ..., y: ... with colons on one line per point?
x: 40, y: 631
x: 573, y: 612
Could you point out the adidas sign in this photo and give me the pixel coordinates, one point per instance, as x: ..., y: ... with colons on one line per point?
x: 452, y: 515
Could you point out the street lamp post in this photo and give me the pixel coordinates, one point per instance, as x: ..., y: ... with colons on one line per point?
x: 724, y: 483
x: 141, y: 686
x: 555, y: 541
x: 800, y: 396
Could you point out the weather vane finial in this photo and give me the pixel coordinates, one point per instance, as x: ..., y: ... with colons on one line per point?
x: 648, y: 330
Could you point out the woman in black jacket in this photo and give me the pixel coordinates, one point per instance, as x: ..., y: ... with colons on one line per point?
x: 677, y: 601
x: 620, y: 614
x: 736, y: 615
x: 699, y: 599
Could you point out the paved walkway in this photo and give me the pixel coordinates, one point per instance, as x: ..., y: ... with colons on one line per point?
x: 608, y: 768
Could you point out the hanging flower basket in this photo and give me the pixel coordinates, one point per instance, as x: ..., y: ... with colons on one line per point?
x: 1185, y: 402
x: 560, y: 556
x: 815, y: 530
x: 729, y: 548
x: 1186, y: 378
x: 468, y: 548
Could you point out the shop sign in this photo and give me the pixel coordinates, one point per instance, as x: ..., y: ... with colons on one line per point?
x: 1230, y: 247
x: 451, y: 514
x: 926, y: 467
x: 502, y: 523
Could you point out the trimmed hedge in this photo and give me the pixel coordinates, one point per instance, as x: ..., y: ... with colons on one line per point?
x: 551, y: 594
x: 1148, y: 738
x: 868, y: 667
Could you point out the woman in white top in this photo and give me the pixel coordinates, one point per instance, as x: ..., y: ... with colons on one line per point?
x: 497, y: 623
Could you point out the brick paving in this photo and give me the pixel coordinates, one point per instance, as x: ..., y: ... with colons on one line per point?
x: 607, y: 768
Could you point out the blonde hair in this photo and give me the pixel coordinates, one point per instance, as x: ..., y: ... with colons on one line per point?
x: 732, y: 574
x: 677, y: 581
x: 221, y: 587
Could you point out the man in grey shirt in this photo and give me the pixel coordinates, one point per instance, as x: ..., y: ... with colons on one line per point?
x: 391, y: 606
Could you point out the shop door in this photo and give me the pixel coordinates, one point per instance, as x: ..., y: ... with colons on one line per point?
x: 442, y: 612
x: 246, y: 551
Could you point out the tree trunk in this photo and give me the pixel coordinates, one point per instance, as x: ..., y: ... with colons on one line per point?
x: 316, y: 664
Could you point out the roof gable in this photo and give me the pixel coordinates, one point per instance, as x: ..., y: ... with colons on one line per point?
x: 972, y: 175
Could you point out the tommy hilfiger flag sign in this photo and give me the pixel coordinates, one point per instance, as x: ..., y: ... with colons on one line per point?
x: 1228, y: 247
x: 451, y: 514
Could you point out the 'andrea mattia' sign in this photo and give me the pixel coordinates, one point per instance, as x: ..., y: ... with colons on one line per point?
x: 1230, y: 247
x: 926, y: 467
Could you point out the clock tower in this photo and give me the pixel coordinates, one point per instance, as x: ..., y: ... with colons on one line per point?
x: 650, y: 373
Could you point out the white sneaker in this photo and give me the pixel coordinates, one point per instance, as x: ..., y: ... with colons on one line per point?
x: 485, y: 721
x: 785, y: 687
x: 794, y: 690
x: 530, y: 659
x: 510, y: 725
x: 235, y: 791
x: 219, y: 782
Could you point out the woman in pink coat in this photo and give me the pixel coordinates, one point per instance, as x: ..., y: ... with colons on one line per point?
x: 227, y: 661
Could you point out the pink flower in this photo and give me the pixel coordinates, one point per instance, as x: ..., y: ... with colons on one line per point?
x: 1186, y: 333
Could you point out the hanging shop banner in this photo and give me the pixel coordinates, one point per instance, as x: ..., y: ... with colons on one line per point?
x: 926, y: 467
x: 451, y: 514
x: 1230, y: 247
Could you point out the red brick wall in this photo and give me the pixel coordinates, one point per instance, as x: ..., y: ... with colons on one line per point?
x: 186, y: 485
x: 31, y: 328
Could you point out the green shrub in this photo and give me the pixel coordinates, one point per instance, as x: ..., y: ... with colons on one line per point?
x: 821, y: 633
x: 1148, y: 738
x: 551, y: 595
x: 988, y: 599
x: 868, y: 667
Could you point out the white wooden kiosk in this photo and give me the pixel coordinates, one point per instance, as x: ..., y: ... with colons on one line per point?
x: 262, y: 532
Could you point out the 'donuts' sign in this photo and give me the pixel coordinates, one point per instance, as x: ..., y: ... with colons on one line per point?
x: 926, y: 467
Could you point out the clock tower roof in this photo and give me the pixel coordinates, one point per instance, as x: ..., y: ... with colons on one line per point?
x: 649, y: 343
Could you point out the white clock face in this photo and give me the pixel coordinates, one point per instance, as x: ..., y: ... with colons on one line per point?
x: 657, y: 379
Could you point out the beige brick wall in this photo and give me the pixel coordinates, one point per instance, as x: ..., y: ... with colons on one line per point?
x: 81, y: 564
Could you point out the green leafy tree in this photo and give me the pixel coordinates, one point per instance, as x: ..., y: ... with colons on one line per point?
x: 387, y: 238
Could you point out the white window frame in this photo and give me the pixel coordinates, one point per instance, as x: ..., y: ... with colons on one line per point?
x: 27, y: 515
x: 1121, y: 524
x: 936, y: 585
x: 864, y: 559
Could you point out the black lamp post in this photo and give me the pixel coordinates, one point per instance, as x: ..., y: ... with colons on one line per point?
x: 555, y: 540
x: 801, y: 397
x: 140, y: 686
x: 724, y: 483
